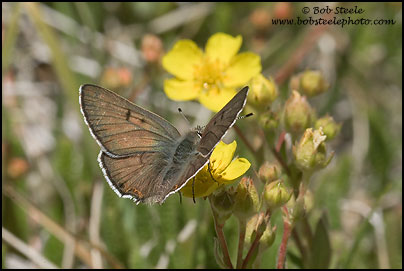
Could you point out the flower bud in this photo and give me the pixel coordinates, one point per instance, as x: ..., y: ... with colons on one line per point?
x: 250, y: 229
x: 261, y: 225
x: 152, y: 48
x: 330, y: 127
x: 297, y: 113
x: 260, y: 19
x: 263, y: 92
x: 268, y: 237
x: 269, y: 121
x: 308, y: 200
x: 294, y: 82
x: 269, y: 172
x: 246, y: 199
x: 299, y: 209
x: 310, y: 152
x: 222, y: 205
x: 313, y: 83
x: 275, y: 195
x: 17, y: 167
x: 283, y: 10
x: 115, y: 78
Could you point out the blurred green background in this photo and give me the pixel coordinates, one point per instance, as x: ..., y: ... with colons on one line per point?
x: 57, y: 209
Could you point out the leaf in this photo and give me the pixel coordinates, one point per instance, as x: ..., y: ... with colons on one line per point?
x: 218, y: 254
x: 321, y: 249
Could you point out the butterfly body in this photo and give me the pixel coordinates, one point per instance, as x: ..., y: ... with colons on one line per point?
x: 144, y: 157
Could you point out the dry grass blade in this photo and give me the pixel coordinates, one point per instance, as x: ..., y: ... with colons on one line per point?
x: 82, y: 248
x: 26, y: 250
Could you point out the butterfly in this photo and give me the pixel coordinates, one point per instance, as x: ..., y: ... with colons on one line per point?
x: 143, y: 157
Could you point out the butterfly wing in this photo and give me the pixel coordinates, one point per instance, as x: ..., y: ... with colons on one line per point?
x: 148, y: 177
x: 139, y: 176
x: 120, y: 127
x: 222, y: 122
x: 211, y: 135
x: 191, y: 169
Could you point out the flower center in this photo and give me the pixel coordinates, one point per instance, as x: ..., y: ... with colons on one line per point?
x: 209, y: 73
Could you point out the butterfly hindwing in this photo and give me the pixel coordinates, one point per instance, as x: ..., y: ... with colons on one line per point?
x: 139, y: 176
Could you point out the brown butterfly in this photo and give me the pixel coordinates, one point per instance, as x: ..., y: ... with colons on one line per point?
x: 143, y: 156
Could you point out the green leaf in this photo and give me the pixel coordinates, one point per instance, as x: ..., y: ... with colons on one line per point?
x: 321, y: 249
x: 218, y: 254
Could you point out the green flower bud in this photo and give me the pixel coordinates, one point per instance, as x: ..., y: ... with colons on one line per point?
x: 269, y: 121
x: 275, y: 195
x: 246, y: 199
x: 268, y: 237
x: 297, y: 113
x: 313, y: 83
x: 251, y: 228
x: 308, y: 200
x: 330, y: 127
x: 310, y: 152
x: 261, y: 225
x: 269, y: 172
x: 263, y: 92
x: 299, y: 209
x: 222, y: 205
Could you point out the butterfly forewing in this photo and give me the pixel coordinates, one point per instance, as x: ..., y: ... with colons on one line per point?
x: 222, y: 122
x: 120, y: 127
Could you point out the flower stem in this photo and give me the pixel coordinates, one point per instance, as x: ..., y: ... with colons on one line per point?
x: 278, y: 156
x: 243, y: 138
x: 287, y: 229
x: 221, y: 238
x: 314, y: 33
x: 255, y: 243
x: 242, y: 228
x: 251, y: 250
x: 223, y: 245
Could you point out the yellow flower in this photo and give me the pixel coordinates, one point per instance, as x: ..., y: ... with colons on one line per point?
x: 224, y: 170
x: 212, y: 77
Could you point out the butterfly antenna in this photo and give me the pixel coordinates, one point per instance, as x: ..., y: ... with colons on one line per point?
x: 245, y: 116
x: 182, y: 114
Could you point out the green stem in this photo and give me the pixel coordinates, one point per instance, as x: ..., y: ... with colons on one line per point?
x: 254, y: 245
x: 223, y: 245
x: 242, y: 230
x: 244, y: 139
x: 221, y: 238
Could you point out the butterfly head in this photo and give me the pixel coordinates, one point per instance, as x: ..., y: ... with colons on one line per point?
x: 199, y: 129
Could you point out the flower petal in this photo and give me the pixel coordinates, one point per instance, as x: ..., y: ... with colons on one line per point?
x: 179, y: 90
x: 203, y: 185
x: 236, y: 168
x: 242, y: 68
x: 223, y: 47
x: 222, y: 156
x: 215, y: 98
x: 181, y: 59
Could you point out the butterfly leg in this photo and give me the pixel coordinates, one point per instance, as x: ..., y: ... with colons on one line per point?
x: 179, y: 193
x: 193, y: 189
x: 211, y: 173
